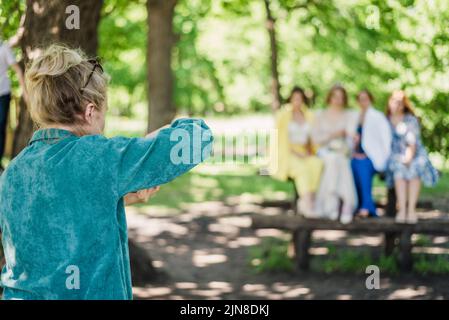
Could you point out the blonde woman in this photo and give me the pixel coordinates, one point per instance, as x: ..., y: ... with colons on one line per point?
x: 62, y: 198
x: 334, y: 132
x: 296, y: 156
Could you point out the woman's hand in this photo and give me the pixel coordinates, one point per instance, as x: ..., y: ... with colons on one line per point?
x: 141, y: 196
x: 409, y: 155
x: 340, y: 134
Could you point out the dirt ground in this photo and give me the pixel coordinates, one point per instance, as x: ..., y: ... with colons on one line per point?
x: 203, y: 254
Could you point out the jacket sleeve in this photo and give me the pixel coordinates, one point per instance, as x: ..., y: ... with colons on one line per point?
x: 143, y: 163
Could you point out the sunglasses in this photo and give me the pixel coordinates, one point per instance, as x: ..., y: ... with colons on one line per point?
x: 95, y: 64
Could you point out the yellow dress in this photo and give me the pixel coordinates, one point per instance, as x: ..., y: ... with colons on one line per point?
x: 285, y: 163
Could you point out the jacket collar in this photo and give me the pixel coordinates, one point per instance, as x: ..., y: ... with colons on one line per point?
x: 50, y: 135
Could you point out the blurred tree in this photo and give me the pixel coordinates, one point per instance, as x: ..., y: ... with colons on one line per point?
x: 49, y: 26
x: 161, y: 40
x: 275, y: 85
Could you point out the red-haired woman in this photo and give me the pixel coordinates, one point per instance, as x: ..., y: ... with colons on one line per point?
x: 409, y: 164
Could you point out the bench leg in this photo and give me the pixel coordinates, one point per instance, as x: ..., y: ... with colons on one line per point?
x: 295, y: 198
x: 302, y: 240
x: 390, y: 210
x: 405, y: 251
x: 389, y: 243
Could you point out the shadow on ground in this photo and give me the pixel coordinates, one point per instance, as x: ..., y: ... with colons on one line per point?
x: 204, y: 255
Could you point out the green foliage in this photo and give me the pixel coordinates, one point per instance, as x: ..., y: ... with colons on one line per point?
x: 389, y: 264
x: 438, y: 264
x: 124, y: 55
x: 271, y: 256
x: 10, y: 13
x: 423, y: 241
x: 344, y: 261
x: 198, y: 89
x: 221, y: 56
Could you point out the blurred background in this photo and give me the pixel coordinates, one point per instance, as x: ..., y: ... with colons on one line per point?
x: 233, y: 63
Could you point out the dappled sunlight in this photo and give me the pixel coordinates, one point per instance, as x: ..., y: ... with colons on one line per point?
x: 408, y: 293
x: 344, y: 297
x: 207, y: 293
x: 153, y: 227
x: 319, y: 251
x: 186, y: 285
x: 329, y: 235
x: 373, y: 241
x: 152, y: 292
x: 225, y: 229
x: 203, y: 258
x: 158, y: 264
x: 220, y: 285
x: 241, y: 222
x: 276, y: 291
x: 244, y: 242
x: 431, y: 250
x: 295, y: 292
x: 271, y: 233
x: 440, y: 240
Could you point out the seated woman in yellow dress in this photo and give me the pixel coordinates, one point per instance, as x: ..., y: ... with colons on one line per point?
x: 295, y: 156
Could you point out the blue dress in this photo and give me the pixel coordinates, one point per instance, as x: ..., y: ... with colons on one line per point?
x: 363, y: 171
x: 62, y: 212
x: 405, y: 133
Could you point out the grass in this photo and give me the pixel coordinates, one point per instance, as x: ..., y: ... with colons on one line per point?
x: 219, y: 183
x: 272, y: 256
x: 346, y: 260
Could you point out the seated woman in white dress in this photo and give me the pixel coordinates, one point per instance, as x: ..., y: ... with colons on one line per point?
x: 334, y: 130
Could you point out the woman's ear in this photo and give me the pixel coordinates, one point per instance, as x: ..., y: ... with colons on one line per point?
x: 89, y: 113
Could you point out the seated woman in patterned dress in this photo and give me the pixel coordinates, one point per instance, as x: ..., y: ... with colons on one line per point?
x: 409, y: 165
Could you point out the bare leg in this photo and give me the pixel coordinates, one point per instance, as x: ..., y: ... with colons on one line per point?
x: 363, y: 213
x: 401, y: 195
x: 414, y: 187
x: 346, y: 213
x: 306, y: 207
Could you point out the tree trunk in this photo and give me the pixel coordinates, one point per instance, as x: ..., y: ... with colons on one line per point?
x: 45, y: 24
x: 161, y: 39
x: 275, y: 84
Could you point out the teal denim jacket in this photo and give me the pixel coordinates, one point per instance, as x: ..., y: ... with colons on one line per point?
x: 62, y: 212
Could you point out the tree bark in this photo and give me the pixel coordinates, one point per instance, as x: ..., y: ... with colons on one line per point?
x: 161, y: 109
x: 275, y: 84
x: 45, y: 23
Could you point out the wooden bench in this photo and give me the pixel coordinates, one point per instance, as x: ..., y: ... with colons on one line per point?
x: 302, y: 233
x: 390, y: 211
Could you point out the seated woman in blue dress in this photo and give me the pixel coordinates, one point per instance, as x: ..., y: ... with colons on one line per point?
x: 409, y: 165
x: 371, y: 151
